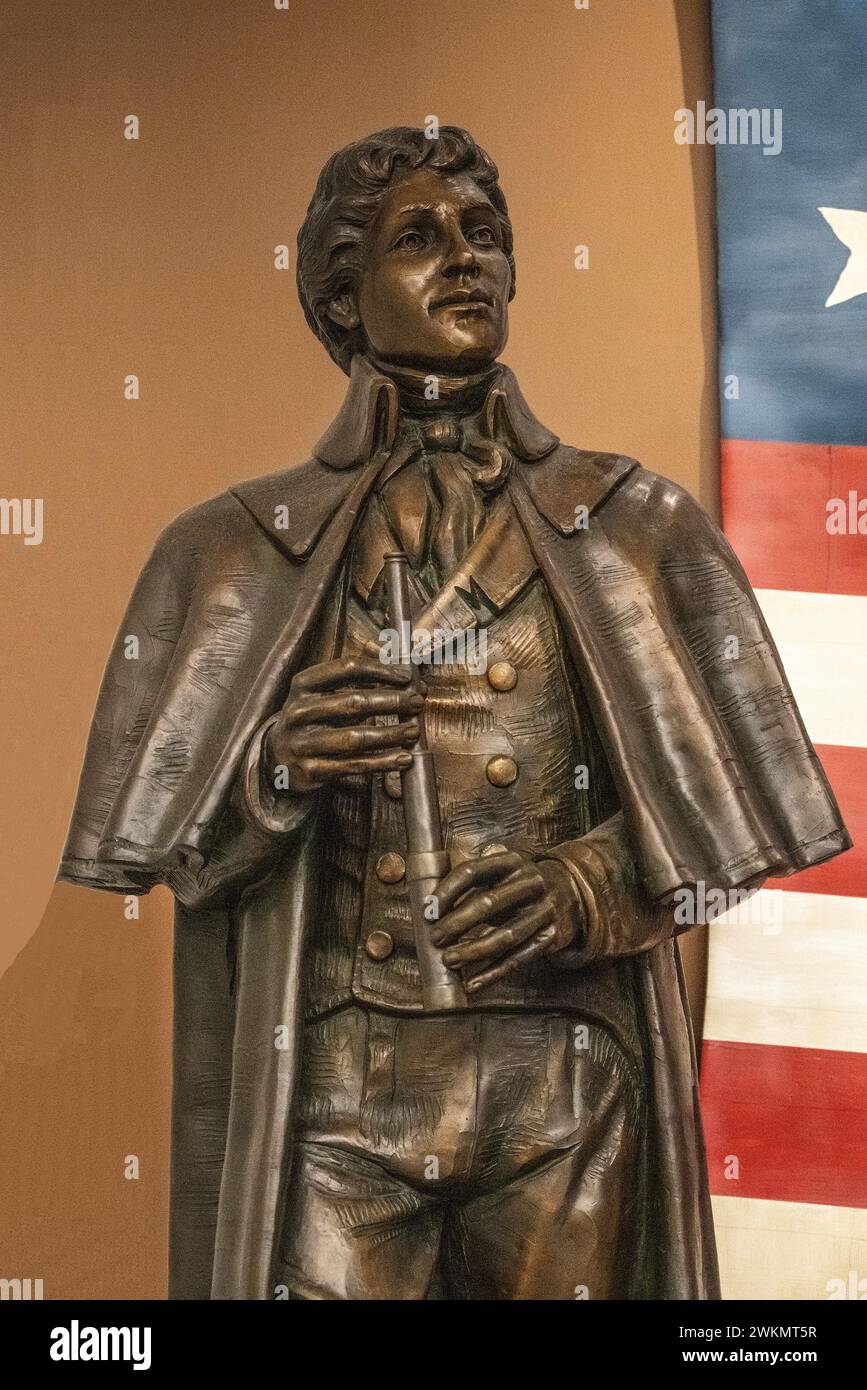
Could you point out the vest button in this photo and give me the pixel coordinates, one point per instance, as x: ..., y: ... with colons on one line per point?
x: 390, y: 867
x: 501, y: 772
x: 391, y: 785
x: 379, y: 945
x: 502, y: 676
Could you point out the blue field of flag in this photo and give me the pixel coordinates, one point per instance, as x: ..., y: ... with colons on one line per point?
x: 801, y: 367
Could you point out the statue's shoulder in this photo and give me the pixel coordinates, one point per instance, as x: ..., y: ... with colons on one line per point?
x: 637, y: 508
x: 298, y: 486
x: 654, y: 490
x: 569, y: 479
x: 674, y: 521
x: 635, y: 487
x: 227, y: 515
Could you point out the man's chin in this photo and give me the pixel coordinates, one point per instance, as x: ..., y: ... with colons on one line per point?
x: 462, y: 355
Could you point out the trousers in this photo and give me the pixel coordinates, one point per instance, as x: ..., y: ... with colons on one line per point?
x: 471, y: 1156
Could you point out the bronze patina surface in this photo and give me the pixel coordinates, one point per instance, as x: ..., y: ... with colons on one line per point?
x: 595, y: 750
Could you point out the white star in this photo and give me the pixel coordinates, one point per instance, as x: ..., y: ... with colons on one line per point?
x: 850, y: 226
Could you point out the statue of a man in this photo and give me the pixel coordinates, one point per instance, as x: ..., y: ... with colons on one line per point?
x: 627, y: 744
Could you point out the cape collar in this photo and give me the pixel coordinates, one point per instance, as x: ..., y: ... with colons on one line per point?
x: 369, y: 418
x: 365, y: 436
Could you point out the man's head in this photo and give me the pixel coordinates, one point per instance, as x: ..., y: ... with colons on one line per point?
x: 406, y: 252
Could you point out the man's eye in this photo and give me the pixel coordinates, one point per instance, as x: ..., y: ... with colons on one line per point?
x: 410, y: 241
x: 483, y: 236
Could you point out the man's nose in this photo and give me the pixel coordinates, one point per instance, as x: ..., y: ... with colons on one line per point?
x: 460, y: 258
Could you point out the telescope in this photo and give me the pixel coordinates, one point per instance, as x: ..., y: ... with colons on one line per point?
x: 427, y: 861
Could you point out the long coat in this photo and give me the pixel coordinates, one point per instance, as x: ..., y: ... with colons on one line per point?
x: 716, y: 777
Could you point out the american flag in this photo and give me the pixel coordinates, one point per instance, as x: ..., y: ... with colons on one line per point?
x: 784, y: 1076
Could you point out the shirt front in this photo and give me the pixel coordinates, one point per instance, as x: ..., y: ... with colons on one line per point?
x: 506, y: 727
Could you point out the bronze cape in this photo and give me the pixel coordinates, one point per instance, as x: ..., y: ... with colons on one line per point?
x: 717, y: 780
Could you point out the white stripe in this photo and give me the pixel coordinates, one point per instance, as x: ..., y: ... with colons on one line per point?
x: 823, y: 643
x: 790, y: 1250
x: 790, y: 970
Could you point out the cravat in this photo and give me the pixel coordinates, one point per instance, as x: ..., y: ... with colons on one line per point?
x: 465, y: 467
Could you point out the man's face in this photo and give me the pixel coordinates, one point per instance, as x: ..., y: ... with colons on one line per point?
x: 435, y: 284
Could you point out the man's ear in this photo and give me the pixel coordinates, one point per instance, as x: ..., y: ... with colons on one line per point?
x: 344, y: 311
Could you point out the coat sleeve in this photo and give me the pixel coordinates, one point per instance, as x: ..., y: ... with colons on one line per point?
x: 137, y: 664
x: 729, y: 648
x: 251, y: 833
x: 617, y: 917
x: 256, y: 828
x: 715, y: 774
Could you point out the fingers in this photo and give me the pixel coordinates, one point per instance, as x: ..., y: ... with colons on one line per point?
x: 352, y: 704
x: 539, y: 945
x: 313, y: 737
x: 321, y: 770
x: 318, y: 741
x: 478, y: 907
x: 475, y: 873
x: 501, y: 939
x: 331, y: 675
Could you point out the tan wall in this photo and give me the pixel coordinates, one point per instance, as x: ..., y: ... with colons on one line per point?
x: 155, y: 257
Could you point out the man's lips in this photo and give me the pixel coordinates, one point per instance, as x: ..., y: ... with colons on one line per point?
x: 462, y: 299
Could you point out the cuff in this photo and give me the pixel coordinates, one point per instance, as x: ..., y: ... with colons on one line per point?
x: 583, y: 949
x: 278, y: 813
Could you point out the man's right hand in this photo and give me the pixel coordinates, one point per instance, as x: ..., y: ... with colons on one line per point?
x: 322, y: 733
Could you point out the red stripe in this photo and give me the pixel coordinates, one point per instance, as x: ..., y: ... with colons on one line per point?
x: 775, y: 508
x: 794, y: 1118
x: 846, y: 769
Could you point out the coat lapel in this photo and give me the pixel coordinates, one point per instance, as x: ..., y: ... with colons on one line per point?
x: 294, y: 507
x: 493, y: 572
x: 569, y: 479
x: 266, y: 681
x: 248, y: 621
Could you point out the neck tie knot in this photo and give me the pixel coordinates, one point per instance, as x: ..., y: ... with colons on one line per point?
x: 442, y: 432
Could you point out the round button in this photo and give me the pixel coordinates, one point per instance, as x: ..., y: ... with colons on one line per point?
x: 379, y: 945
x: 390, y: 867
x: 502, y: 676
x: 391, y: 785
x: 501, y: 772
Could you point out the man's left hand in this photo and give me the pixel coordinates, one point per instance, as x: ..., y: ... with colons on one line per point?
x: 502, y: 911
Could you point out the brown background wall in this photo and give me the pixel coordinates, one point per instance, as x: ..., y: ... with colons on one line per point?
x: 156, y: 257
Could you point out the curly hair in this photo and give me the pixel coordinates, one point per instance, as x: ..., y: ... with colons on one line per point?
x: 347, y: 198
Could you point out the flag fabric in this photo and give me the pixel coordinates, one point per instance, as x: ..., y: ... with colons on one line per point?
x: 784, y: 1065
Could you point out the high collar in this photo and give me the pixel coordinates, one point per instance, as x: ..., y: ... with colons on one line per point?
x: 369, y: 419
x: 556, y: 479
x: 456, y: 395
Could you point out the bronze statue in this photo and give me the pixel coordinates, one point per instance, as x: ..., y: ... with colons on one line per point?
x: 523, y: 1121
